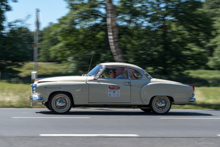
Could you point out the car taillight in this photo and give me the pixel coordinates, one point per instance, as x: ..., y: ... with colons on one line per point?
x: 192, y: 86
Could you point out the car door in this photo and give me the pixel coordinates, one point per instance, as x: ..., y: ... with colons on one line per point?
x: 109, y: 90
x: 137, y: 82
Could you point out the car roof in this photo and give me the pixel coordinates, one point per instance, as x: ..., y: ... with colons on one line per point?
x: 120, y: 64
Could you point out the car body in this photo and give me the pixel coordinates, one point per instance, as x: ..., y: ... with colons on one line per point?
x: 132, y: 86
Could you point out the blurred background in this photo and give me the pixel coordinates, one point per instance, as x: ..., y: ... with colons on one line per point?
x: 171, y: 39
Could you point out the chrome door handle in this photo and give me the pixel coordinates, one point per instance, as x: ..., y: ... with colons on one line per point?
x: 128, y: 83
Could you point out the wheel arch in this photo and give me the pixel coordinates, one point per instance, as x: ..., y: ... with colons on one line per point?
x: 151, y: 90
x: 64, y: 92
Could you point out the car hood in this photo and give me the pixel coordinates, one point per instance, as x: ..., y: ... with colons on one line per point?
x: 64, y: 79
x: 155, y: 80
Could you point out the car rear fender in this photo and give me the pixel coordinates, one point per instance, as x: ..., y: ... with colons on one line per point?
x: 149, y: 91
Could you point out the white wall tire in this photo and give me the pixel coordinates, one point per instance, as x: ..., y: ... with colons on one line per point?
x: 60, y: 103
x: 160, y: 105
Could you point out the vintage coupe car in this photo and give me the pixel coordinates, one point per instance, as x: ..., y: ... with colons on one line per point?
x: 111, y: 85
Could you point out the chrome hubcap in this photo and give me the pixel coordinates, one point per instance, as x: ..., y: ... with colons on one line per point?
x: 61, y: 102
x: 161, y: 103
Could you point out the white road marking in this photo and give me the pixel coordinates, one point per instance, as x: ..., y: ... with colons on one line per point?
x: 187, y: 118
x: 218, y: 135
x: 90, y: 135
x: 51, y: 117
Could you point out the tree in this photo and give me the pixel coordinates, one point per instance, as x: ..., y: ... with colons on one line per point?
x: 77, y: 45
x: 178, y: 32
x: 48, y: 39
x: 91, y: 14
x: 15, y: 43
x: 167, y: 35
x: 4, y: 7
x: 91, y: 11
x: 16, y: 48
x: 82, y: 33
x: 213, y: 8
x: 113, y: 31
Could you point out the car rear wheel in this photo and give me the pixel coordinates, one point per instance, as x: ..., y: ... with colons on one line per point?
x: 160, y: 105
x: 60, y: 103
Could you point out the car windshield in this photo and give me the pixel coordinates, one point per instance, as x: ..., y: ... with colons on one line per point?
x: 95, y: 70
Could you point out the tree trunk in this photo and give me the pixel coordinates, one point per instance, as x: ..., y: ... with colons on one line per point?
x: 113, y: 32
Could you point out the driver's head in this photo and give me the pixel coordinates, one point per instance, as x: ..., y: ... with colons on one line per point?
x: 119, y: 70
x: 112, y: 73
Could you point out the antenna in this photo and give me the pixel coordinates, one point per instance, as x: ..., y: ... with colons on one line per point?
x: 90, y: 62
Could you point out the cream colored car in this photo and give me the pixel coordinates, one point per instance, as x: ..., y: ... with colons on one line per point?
x: 111, y: 85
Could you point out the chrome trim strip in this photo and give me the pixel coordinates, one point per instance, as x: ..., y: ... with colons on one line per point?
x: 36, y: 99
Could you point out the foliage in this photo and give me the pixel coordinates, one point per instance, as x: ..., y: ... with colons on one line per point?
x: 15, y: 42
x: 4, y: 7
x: 16, y: 48
x: 171, y: 40
x: 82, y: 33
x: 47, y: 40
x: 44, y: 68
x: 213, y: 7
x: 168, y: 35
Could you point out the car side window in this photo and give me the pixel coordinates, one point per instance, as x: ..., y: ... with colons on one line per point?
x: 115, y: 72
x: 134, y: 74
x: 147, y: 75
x: 107, y: 73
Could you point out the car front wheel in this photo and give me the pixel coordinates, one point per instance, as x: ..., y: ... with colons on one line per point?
x: 47, y: 105
x: 60, y: 103
x: 160, y: 104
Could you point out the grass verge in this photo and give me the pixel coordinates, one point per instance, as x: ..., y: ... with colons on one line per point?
x: 15, y: 96
x: 206, y: 97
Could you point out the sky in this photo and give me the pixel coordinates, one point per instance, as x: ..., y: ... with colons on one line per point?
x: 50, y: 11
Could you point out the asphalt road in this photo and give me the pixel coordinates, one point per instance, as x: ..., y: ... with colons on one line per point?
x: 108, y: 128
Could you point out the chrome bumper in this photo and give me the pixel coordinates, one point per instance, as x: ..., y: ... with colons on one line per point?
x: 192, y: 99
x: 36, y: 99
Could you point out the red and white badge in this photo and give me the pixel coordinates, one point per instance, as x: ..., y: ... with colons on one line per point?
x: 114, y: 87
x: 113, y: 91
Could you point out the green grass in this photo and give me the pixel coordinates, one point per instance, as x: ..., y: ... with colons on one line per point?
x: 43, y: 69
x: 205, y: 74
x: 15, y: 95
x: 199, y: 78
x: 206, y: 98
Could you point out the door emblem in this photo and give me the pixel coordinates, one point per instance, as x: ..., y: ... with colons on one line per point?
x: 113, y: 91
